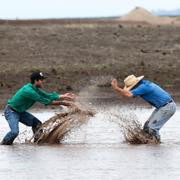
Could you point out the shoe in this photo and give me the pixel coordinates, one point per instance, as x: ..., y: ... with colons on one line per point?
x: 37, y: 131
x: 4, y: 142
x: 152, y: 135
x: 156, y: 139
x: 146, y: 127
x: 37, y: 136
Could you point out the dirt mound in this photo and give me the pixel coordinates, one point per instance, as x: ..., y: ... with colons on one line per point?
x: 142, y: 15
x: 54, y: 130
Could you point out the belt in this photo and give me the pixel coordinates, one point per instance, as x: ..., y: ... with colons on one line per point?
x: 167, y: 103
x: 12, y: 108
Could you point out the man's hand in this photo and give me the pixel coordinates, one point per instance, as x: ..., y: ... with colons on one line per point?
x: 62, y: 103
x: 68, y: 96
x: 119, y: 90
x: 114, y: 83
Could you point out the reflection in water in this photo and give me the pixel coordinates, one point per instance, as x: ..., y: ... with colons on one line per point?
x: 95, y: 151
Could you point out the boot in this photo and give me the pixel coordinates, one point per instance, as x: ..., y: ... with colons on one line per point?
x: 152, y: 134
x: 4, y: 142
x: 37, y: 131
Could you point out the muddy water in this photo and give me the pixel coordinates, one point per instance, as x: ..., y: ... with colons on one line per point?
x: 95, y: 151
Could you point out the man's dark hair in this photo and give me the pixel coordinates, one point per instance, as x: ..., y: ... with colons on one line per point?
x: 37, y: 75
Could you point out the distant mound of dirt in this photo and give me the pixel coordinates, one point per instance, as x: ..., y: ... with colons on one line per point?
x: 142, y: 15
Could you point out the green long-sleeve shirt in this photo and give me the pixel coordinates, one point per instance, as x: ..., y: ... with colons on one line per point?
x: 28, y: 95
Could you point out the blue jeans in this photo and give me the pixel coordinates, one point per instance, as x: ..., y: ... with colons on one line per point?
x: 158, y: 118
x: 13, y: 118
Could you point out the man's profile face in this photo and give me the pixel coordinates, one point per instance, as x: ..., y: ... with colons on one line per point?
x: 39, y: 83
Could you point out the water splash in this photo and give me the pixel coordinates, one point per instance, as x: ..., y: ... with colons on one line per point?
x: 57, y: 127
x: 130, y: 127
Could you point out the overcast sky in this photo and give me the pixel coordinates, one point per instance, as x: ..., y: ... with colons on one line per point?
x: 25, y: 9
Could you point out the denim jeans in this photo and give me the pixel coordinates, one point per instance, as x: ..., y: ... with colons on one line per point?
x: 158, y: 118
x: 13, y: 118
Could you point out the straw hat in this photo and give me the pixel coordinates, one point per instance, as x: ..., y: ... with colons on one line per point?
x: 131, y: 81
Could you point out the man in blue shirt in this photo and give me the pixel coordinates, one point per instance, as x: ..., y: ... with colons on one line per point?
x: 154, y: 95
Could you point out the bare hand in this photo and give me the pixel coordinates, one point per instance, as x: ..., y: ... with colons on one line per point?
x: 114, y: 83
x: 63, y: 103
x: 68, y: 104
x: 68, y: 96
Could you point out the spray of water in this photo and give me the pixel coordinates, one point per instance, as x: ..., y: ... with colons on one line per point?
x: 57, y: 127
x: 93, y: 91
x: 130, y: 126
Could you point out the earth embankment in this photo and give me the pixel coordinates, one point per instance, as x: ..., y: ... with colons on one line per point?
x: 72, y: 54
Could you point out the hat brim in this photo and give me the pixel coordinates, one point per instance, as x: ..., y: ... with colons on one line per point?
x: 44, y: 77
x: 130, y: 87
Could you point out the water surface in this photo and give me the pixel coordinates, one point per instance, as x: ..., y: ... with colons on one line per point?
x: 95, y: 151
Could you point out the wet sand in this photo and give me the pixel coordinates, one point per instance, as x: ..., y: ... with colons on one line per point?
x: 95, y: 151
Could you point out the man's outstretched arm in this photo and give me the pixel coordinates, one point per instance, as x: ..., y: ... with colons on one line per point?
x: 61, y: 103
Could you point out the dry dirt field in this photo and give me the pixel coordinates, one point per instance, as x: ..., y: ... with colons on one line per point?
x: 72, y: 53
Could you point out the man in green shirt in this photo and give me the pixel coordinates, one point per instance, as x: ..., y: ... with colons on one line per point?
x: 24, y: 98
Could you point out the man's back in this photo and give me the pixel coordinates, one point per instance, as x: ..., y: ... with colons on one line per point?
x: 151, y: 93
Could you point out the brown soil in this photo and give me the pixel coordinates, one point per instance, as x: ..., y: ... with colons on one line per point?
x: 75, y: 52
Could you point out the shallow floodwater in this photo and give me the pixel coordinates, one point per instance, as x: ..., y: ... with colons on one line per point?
x: 93, y: 152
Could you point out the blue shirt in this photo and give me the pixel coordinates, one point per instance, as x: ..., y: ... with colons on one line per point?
x: 151, y: 93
